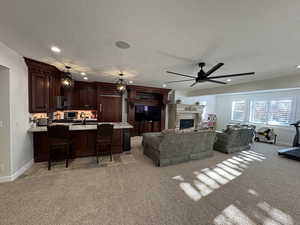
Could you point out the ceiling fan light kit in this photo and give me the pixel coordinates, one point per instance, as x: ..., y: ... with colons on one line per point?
x: 203, y: 76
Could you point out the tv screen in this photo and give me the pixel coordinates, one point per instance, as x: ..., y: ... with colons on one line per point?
x: 147, y: 113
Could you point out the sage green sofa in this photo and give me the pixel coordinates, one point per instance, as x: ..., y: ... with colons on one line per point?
x: 176, y: 147
x: 235, y: 138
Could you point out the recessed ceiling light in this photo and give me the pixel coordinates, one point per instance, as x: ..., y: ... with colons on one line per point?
x: 83, y: 73
x: 122, y: 44
x: 55, y: 49
x: 164, y: 85
x: 228, y: 80
x: 130, y: 82
x: 85, y: 78
x: 298, y: 66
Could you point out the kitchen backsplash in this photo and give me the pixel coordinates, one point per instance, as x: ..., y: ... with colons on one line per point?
x: 59, y: 115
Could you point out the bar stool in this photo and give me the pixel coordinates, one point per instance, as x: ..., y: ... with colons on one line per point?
x: 59, y: 139
x: 104, y: 140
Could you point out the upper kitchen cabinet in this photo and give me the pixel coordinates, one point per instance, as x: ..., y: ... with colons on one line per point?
x: 85, y: 95
x: 44, y: 85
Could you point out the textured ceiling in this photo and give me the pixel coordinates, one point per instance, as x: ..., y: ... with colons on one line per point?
x: 261, y: 36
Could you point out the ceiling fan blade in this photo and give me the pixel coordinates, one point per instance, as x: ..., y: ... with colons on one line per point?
x: 180, y: 74
x: 193, y: 84
x: 215, y: 81
x: 234, y: 75
x: 216, y: 67
x: 175, y: 81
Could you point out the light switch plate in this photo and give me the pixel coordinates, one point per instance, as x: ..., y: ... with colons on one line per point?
x: 1, y: 124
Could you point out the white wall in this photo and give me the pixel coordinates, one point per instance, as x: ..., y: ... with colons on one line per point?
x: 21, y: 148
x: 5, y: 123
x: 285, y: 133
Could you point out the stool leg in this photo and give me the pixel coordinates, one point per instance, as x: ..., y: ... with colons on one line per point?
x: 67, y: 156
x: 97, y: 153
x: 49, y: 160
x: 110, y: 153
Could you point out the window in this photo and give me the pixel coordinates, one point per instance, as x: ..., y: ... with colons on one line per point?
x: 258, y: 111
x: 280, y: 112
x: 238, y: 110
x: 271, y: 112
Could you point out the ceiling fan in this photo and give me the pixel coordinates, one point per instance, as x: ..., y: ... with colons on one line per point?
x: 203, y: 76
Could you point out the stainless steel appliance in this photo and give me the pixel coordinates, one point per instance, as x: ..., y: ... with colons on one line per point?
x: 42, y: 121
x: 70, y: 115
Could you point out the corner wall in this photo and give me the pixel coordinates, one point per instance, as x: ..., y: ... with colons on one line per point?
x: 5, y: 165
x: 21, y: 150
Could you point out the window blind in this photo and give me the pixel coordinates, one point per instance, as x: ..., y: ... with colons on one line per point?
x: 238, y: 110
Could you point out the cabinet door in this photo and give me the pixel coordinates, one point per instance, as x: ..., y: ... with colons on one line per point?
x: 83, y: 96
x: 109, y: 108
x: 91, y: 96
x: 39, y: 88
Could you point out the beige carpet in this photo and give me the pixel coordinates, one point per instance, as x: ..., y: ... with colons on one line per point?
x: 257, y: 187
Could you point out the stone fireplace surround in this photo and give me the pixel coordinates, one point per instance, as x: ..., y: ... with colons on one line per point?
x: 179, y: 112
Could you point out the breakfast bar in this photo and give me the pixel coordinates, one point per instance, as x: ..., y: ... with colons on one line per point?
x: 83, y: 138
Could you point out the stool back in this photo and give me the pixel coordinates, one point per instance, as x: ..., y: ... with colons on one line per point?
x: 58, y: 132
x: 105, y: 132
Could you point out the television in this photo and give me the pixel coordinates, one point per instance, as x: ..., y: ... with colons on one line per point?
x: 147, y: 113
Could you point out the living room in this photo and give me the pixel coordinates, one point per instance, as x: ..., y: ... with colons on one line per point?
x: 149, y: 112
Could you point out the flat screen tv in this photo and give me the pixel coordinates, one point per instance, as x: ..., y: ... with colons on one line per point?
x: 147, y: 113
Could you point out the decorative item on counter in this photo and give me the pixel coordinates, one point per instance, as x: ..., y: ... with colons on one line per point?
x: 32, y: 121
x: 197, y: 103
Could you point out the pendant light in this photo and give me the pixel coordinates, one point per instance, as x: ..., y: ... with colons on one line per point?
x: 121, y: 83
x: 67, y: 80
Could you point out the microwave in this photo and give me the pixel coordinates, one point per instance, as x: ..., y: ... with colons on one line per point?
x: 70, y: 115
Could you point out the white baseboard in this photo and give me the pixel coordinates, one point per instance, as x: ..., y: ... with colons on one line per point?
x: 283, y: 144
x: 18, y: 173
x: 5, y: 179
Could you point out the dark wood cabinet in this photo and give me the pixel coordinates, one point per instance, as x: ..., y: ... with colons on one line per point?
x: 44, y: 85
x: 110, y: 108
x: 39, y: 101
x: 146, y: 96
x: 84, y: 96
x: 83, y: 144
x: 109, y: 103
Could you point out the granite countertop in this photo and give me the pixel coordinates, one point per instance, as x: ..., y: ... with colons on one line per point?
x: 74, y: 127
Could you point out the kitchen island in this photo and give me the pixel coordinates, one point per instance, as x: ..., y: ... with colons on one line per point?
x: 83, y: 140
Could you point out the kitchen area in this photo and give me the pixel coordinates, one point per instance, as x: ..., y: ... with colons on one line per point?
x: 81, y: 106
x: 57, y: 99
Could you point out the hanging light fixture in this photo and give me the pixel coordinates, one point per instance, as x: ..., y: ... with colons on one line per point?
x: 121, y: 83
x: 67, y: 80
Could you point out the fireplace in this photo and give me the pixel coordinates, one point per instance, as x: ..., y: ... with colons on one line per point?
x: 186, y: 123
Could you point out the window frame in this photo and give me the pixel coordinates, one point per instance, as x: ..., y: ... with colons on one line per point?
x: 292, y: 111
x: 245, y: 110
x: 251, y: 111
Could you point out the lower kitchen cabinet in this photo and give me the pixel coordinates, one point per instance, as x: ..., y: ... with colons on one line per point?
x: 83, y: 144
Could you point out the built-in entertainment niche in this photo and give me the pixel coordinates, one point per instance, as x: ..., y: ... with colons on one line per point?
x: 147, y: 113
